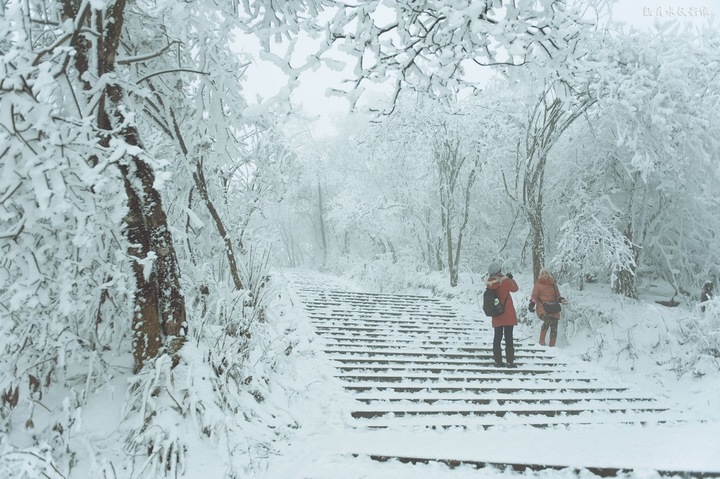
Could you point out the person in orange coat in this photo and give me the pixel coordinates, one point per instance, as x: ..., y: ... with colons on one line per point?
x: 503, y: 284
x: 546, y: 291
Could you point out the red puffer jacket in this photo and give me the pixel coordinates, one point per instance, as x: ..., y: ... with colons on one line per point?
x: 503, y: 286
x: 545, y: 291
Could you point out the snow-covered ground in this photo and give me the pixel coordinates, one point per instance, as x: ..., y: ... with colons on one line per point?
x: 290, y: 418
x: 640, y: 343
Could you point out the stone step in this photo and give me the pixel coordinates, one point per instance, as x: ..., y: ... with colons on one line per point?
x: 410, y: 326
x: 360, y: 304
x: 442, y: 370
x: 353, y: 319
x: 455, y: 344
x: 413, y: 298
x: 401, y: 342
x: 498, y: 388
x: 389, y: 332
x: 529, y: 469
x: 481, y: 397
x: 387, y: 314
x: 491, y: 374
x: 427, y: 352
x: 508, y: 408
x: 420, y: 361
x: 389, y: 335
x: 472, y: 421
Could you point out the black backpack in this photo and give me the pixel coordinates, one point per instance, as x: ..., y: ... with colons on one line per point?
x: 491, y: 303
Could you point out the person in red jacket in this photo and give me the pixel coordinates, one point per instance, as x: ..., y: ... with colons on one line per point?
x: 545, y: 292
x: 503, y: 284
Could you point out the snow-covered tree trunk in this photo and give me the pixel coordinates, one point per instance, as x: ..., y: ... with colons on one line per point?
x: 537, y: 242
x: 449, y: 161
x: 159, y: 313
x: 321, y: 221
x: 201, y: 185
x: 624, y: 279
x: 552, y: 115
x: 457, y: 162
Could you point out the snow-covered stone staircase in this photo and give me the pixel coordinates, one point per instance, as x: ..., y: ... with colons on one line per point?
x: 411, y: 361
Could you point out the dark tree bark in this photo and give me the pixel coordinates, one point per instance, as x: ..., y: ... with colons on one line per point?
x: 159, y: 317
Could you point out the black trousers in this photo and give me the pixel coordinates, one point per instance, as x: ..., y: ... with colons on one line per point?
x: 501, y: 331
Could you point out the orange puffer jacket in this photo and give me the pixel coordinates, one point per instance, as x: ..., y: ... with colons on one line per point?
x: 545, y: 291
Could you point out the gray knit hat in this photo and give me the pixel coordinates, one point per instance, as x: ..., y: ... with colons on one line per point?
x: 494, y: 267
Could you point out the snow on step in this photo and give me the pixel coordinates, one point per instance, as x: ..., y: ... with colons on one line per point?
x: 538, y: 396
x: 411, y: 361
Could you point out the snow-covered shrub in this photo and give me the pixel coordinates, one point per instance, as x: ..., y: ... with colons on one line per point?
x: 588, y: 321
x: 384, y: 273
x: 64, y: 279
x: 702, y: 334
x: 210, y: 389
x: 27, y: 463
x: 156, y: 409
x: 228, y: 399
x: 589, y: 243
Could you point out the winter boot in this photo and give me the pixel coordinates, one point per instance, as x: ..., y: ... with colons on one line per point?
x: 542, y: 337
x: 510, y: 356
x: 552, y: 341
x: 497, y: 355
